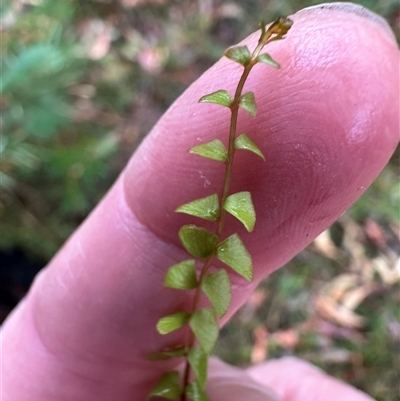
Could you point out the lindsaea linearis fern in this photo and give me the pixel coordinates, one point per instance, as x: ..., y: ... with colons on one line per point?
x: 204, y: 245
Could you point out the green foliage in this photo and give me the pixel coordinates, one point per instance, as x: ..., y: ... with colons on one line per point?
x: 221, y: 97
x: 267, y: 59
x: 241, y: 206
x: 217, y: 287
x: 199, y: 362
x: 32, y: 68
x: 233, y: 252
x: 167, y: 387
x: 289, y: 286
x: 170, y: 323
x: 240, y: 54
x: 198, y: 241
x: 54, y: 167
x: 244, y: 142
x: 34, y: 81
x: 205, y: 327
x: 202, y: 243
x: 206, y: 208
x: 214, y: 150
x: 248, y: 103
x: 196, y: 393
x: 182, y: 275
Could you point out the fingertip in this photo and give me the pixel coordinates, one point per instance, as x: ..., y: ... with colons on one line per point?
x: 352, y: 8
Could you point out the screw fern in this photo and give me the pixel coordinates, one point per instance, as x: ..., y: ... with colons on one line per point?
x: 206, y: 246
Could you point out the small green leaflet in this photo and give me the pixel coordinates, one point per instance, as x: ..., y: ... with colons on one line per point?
x: 198, y: 361
x: 167, y: 354
x: 170, y: 323
x: 195, y: 392
x: 221, y: 97
x: 182, y: 275
x: 205, y: 328
x: 248, y: 102
x: 241, y: 206
x: 217, y: 287
x: 240, y: 54
x: 267, y: 59
x: 207, y: 208
x: 235, y: 255
x: 244, y: 142
x: 168, y: 387
x: 198, y: 241
x: 214, y: 150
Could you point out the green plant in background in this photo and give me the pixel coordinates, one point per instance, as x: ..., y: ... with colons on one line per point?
x: 50, y: 162
x: 206, y: 245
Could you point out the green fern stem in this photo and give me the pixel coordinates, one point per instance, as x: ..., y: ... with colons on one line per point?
x: 273, y: 33
x: 205, y: 245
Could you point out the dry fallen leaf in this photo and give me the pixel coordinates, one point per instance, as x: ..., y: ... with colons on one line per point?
x: 389, y: 275
x: 324, y: 244
x: 332, y: 310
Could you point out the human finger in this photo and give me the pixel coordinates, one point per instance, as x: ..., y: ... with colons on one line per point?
x: 293, y: 379
x: 284, y: 379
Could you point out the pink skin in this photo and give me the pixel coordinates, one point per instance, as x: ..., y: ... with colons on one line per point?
x: 328, y: 123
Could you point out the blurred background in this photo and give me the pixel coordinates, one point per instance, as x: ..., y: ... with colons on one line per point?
x: 83, y: 82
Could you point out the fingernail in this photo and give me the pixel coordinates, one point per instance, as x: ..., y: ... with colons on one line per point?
x: 352, y: 9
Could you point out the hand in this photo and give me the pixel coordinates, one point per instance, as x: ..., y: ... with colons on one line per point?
x: 327, y: 124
